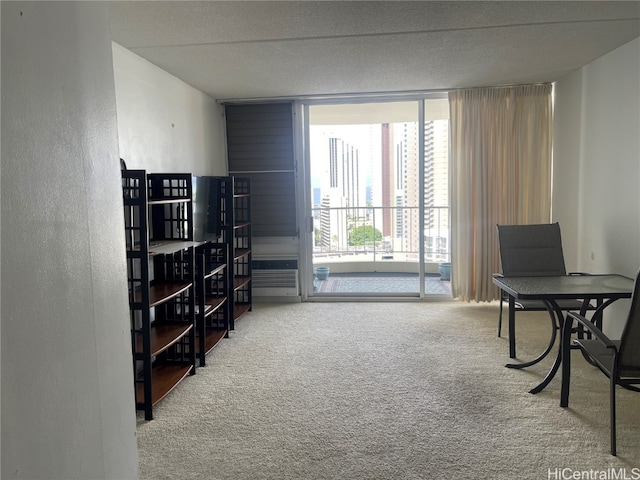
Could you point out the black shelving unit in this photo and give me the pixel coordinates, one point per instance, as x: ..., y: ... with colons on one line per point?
x: 212, y: 290
x: 161, y: 281
x: 235, y: 211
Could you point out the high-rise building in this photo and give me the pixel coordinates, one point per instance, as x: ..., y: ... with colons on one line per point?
x: 344, y: 172
x: 435, y: 172
x: 408, y: 158
x: 388, y: 172
x: 436, y: 191
x: 325, y: 223
x: 346, y: 197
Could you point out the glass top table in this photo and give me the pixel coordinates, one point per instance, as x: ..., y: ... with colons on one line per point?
x: 566, y: 286
x: 606, y: 289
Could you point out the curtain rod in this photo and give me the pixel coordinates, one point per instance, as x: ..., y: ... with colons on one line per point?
x: 411, y: 94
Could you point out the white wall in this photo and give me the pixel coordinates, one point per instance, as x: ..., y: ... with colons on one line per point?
x: 165, y: 125
x: 597, y: 167
x: 67, y: 383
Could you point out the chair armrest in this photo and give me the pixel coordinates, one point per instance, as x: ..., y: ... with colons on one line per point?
x: 497, y: 275
x: 600, y: 336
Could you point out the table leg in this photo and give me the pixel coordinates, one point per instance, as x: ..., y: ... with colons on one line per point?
x: 556, y: 313
x: 565, y: 353
x: 552, y: 341
x: 512, y: 327
x: 565, y: 347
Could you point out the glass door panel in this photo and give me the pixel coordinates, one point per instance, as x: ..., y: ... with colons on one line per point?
x: 365, y: 199
x: 378, y: 204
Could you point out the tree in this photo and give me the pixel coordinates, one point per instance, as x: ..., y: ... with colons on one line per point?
x: 364, y: 235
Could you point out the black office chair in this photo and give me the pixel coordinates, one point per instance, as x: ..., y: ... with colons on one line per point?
x: 533, y: 250
x: 619, y: 360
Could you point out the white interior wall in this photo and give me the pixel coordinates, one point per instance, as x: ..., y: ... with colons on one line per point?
x: 67, y: 383
x: 597, y: 167
x: 165, y: 125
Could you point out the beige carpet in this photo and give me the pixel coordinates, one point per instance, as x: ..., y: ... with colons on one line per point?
x: 384, y: 391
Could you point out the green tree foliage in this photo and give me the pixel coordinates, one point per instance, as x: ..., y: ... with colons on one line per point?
x: 364, y: 235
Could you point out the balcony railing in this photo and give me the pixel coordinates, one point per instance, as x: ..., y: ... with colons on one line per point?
x: 380, y: 234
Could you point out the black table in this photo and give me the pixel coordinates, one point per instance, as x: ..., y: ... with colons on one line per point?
x: 605, y: 289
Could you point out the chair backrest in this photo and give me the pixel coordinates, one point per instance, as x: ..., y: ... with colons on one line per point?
x: 629, y: 357
x: 531, y: 250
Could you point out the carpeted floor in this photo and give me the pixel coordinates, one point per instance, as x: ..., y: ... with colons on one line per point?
x: 384, y: 391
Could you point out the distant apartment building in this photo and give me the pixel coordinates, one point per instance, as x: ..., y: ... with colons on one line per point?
x: 346, y: 197
x: 409, y: 237
x: 387, y: 196
x: 436, y: 189
x: 388, y: 174
x: 435, y: 197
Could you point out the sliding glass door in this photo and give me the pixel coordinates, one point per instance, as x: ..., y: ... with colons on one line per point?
x: 373, y: 228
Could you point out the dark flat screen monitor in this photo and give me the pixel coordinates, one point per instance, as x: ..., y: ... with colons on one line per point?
x: 206, y: 208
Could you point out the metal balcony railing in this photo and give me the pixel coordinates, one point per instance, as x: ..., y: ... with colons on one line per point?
x: 381, y: 233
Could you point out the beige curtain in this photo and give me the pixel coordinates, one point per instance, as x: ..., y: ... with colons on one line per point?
x: 500, y: 174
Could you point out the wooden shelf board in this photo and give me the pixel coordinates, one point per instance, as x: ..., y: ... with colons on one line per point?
x: 212, y: 304
x: 212, y: 338
x: 240, y: 309
x: 215, y: 270
x: 240, y: 225
x: 163, y: 336
x: 239, y: 282
x: 165, y: 378
x: 165, y: 247
x: 161, y: 292
x: 240, y: 252
x: 167, y: 200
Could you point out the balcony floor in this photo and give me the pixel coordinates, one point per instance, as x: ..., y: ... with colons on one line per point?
x: 378, y: 282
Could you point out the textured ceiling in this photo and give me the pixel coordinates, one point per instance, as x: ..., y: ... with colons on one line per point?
x: 241, y: 49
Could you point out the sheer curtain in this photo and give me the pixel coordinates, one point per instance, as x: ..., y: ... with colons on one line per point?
x: 500, y: 173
